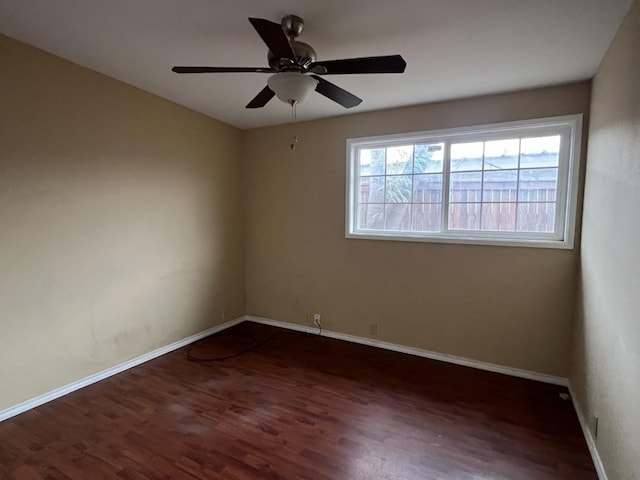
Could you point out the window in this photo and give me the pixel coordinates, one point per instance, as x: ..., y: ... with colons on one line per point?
x: 502, y: 184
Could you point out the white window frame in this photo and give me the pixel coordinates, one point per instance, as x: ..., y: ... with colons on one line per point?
x: 568, y: 126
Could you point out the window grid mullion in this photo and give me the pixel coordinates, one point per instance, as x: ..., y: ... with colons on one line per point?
x: 384, y: 199
x: 484, y: 151
x: 518, y: 183
x: 413, y: 166
x: 355, y: 197
x: 446, y: 174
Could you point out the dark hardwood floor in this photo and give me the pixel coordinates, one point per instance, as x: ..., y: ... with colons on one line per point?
x: 299, y: 408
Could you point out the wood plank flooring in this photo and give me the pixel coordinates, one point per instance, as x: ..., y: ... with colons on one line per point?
x: 299, y: 408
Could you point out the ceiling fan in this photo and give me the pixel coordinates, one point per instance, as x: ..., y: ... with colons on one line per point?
x: 295, y: 71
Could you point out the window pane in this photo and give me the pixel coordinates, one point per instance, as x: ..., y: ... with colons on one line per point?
x: 372, y: 162
x: 500, y: 186
x: 427, y: 188
x: 398, y: 217
x: 466, y: 156
x: 464, y: 216
x: 428, y: 158
x: 540, y: 152
x: 500, y: 154
x: 372, y: 190
x: 465, y: 187
x: 399, y: 189
x: 371, y: 217
x: 499, y: 216
x: 538, y: 184
x: 426, y: 217
x: 536, y: 217
x: 399, y: 160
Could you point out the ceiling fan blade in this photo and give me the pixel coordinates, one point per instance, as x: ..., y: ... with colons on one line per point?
x: 335, y: 93
x: 220, y: 69
x: 273, y: 35
x: 261, y: 99
x: 384, y: 64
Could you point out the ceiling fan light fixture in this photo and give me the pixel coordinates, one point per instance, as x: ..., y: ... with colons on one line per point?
x: 292, y: 87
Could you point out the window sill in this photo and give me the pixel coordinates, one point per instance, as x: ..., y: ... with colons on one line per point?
x: 513, y: 242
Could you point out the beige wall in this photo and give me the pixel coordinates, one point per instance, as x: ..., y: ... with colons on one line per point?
x: 506, y: 305
x: 606, y: 375
x: 120, y: 222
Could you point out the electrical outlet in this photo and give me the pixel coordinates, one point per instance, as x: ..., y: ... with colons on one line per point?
x: 373, y: 328
x: 316, y: 319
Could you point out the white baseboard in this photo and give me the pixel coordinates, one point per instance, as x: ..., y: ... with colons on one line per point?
x: 96, y: 377
x: 443, y: 357
x: 591, y: 442
x: 71, y: 387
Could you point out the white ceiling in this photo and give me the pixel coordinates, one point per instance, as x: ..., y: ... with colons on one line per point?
x: 453, y: 48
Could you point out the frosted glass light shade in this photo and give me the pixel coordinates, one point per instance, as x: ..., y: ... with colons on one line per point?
x: 291, y: 87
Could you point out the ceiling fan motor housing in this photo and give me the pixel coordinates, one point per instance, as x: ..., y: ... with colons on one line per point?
x: 304, y: 53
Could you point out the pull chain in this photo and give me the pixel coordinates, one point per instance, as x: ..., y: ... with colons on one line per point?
x: 294, y: 141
